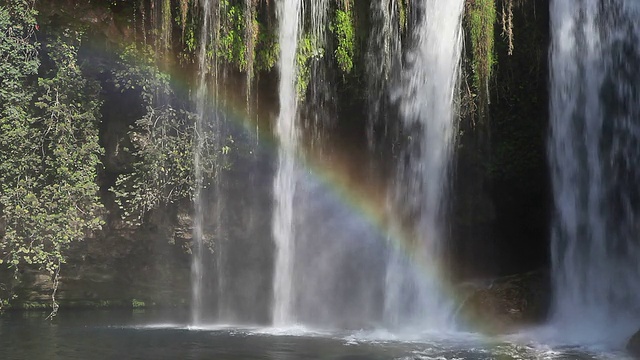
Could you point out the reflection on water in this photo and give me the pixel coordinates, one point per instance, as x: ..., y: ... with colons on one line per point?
x: 158, y: 335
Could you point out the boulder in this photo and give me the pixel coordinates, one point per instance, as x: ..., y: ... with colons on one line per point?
x: 506, y: 304
x: 633, y: 346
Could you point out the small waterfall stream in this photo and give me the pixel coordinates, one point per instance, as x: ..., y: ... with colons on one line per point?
x: 319, y: 13
x: 318, y: 110
x: 594, y: 152
x: 197, y: 259
x: 383, y: 59
x: 209, y: 134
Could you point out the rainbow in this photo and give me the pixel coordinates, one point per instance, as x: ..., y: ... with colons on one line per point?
x: 368, y: 201
x: 336, y: 172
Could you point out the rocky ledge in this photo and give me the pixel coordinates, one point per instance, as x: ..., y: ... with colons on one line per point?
x: 506, y: 304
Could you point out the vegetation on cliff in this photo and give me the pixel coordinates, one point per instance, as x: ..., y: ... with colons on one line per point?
x: 481, y: 16
x: 50, y: 151
x: 160, y: 140
x: 93, y: 127
x: 343, y: 29
x: 54, y: 94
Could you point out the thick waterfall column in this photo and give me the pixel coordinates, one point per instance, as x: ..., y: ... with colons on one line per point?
x: 289, y: 17
x: 594, y: 152
x: 426, y: 94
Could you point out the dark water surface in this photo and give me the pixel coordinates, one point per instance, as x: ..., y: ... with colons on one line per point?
x: 153, y: 335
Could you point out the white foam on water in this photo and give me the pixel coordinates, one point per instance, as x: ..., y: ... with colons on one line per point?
x: 550, y: 342
x: 160, y: 326
x: 535, y: 343
x: 418, y: 356
x: 293, y: 330
x: 382, y: 336
x: 213, y: 327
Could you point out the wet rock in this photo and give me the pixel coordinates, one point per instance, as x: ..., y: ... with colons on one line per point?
x: 633, y: 346
x: 148, y: 263
x: 505, y: 304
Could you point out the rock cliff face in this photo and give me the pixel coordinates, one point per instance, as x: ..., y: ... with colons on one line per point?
x: 501, y: 187
x: 123, y: 262
x: 148, y: 264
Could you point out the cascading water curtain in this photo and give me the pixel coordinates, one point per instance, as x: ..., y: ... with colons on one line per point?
x: 414, y: 294
x: 594, y: 152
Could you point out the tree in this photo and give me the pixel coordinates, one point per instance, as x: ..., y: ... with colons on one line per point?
x: 162, y: 140
x: 49, y: 150
x: 18, y: 65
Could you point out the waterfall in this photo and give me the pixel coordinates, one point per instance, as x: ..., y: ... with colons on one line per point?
x: 594, y: 152
x: 330, y: 267
x: 428, y: 88
x: 319, y: 106
x: 319, y: 11
x: 207, y: 139
x: 327, y: 257
x: 165, y: 27
x: 289, y: 16
x: 197, y: 259
x: 384, y: 54
x: 250, y: 37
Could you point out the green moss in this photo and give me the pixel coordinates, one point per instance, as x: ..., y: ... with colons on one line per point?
x: 246, y: 49
x: 166, y: 25
x: 81, y: 304
x: 481, y: 18
x: 35, y: 305
x: 231, y: 47
x: 308, y: 49
x: 343, y: 29
x: 402, y: 14
x: 184, y: 14
x: 188, y: 26
x: 4, y: 303
x: 267, y: 50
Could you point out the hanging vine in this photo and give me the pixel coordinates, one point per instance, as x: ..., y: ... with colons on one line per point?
x: 482, y: 17
x: 507, y: 24
x: 251, y: 30
x: 343, y: 29
x: 184, y: 11
x: 403, y: 12
x: 165, y: 27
